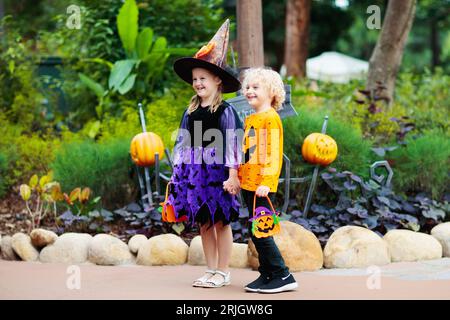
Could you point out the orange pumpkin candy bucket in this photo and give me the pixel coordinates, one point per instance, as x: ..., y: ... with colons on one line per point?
x: 265, y: 223
x: 168, y: 211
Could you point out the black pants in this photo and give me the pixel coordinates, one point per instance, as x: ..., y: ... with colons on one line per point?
x: 271, y: 263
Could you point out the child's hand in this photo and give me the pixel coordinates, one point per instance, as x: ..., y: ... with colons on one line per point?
x: 232, y: 185
x: 262, y: 191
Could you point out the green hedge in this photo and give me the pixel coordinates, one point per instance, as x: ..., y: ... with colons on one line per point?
x: 3, y: 171
x: 102, y: 167
x: 423, y: 165
x: 354, y: 153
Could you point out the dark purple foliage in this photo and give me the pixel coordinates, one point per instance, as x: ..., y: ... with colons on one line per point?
x: 365, y: 204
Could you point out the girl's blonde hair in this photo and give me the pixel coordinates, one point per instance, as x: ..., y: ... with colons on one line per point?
x: 195, y: 102
x: 217, y: 100
x: 271, y: 80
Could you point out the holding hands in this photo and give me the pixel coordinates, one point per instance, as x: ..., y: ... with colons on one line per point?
x: 232, y: 185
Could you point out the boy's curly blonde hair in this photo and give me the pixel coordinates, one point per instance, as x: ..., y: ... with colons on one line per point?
x: 270, y: 80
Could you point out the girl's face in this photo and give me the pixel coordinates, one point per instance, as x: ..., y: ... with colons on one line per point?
x: 205, y: 83
x: 257, y: 95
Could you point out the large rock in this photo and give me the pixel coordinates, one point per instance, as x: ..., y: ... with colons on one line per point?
x: 166, y: 249
x: 41, y: 237
x: 107, y: 250
x: 69, y: 248
x: 7, y: 249
x: 21, y: 244
x: 299, y: 247
x: 355, y: 247
x: 238, y: 259
x: 239, y: 256
x: 196, y: 256
x: 136, y: 242
x: 407, y: 245
x: 442, y: 233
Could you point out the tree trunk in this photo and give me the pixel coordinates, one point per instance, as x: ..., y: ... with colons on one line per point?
x: 435, y: 46
x: 297, y: 37
x: 2, y: 10
x: 387, y: 55
x: 250, y: 33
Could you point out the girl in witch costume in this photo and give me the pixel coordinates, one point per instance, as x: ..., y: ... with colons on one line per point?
x: 204, y: 182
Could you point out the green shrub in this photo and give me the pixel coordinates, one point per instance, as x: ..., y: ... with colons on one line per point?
x: 426, y: 99
x: 20, y: 99
x: 102, y: 167
x: 354, y: 153
x: 26, y: 154
x: 3, y: 172
x: 162, y: 116
x: 423, y: 98
x: 423, y: 165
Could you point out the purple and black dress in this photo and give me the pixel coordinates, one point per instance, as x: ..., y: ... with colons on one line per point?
x: 206, y: 148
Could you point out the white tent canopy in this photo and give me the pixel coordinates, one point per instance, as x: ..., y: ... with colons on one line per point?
x: 335, y: 67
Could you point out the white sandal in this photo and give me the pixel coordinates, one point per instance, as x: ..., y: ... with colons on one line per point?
x: 200, y: 282
x: 212, y: 283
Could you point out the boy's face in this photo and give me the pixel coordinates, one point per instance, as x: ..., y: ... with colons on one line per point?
x: 257, y: 95
x: 204, y: 83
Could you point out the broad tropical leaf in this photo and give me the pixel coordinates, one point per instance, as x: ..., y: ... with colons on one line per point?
x: 93, y: 85
x: 120, y: 73
x: 144, y: 42
x: 128, y: 84
x: 127, y: 24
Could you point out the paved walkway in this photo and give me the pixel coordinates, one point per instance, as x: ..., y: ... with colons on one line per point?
x: 25, y: 280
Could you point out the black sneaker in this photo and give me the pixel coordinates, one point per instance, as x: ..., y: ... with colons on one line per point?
x: 255, y: 285
x: 277, y: 285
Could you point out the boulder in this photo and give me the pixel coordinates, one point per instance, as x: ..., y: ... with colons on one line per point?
x: 136, y: 242
x: 107, y: 250
x: 165, y: 249
x: 407, y: 245
x: 70, y: 248
x: 299, y: 247
x: 41, y: 237
x: 239, y: 256
x: 22, y: 246
x: 355, y: 247
x: 442, y: 233
x: 196, y: 257
x: 7, y: 249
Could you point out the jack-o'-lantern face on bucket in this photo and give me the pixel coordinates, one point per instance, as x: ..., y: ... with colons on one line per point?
x: 265, y: 223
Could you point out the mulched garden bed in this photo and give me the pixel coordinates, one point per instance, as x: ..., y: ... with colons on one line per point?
x: 14, y: 218
x: 13, y: 215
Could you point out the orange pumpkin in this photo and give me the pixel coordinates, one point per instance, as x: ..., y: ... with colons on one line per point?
x: 168, y: 211
x: 319, y: 148
x: 143, y: 148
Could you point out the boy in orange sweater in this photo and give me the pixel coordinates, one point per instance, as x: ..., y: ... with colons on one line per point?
x: 263, y: 157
